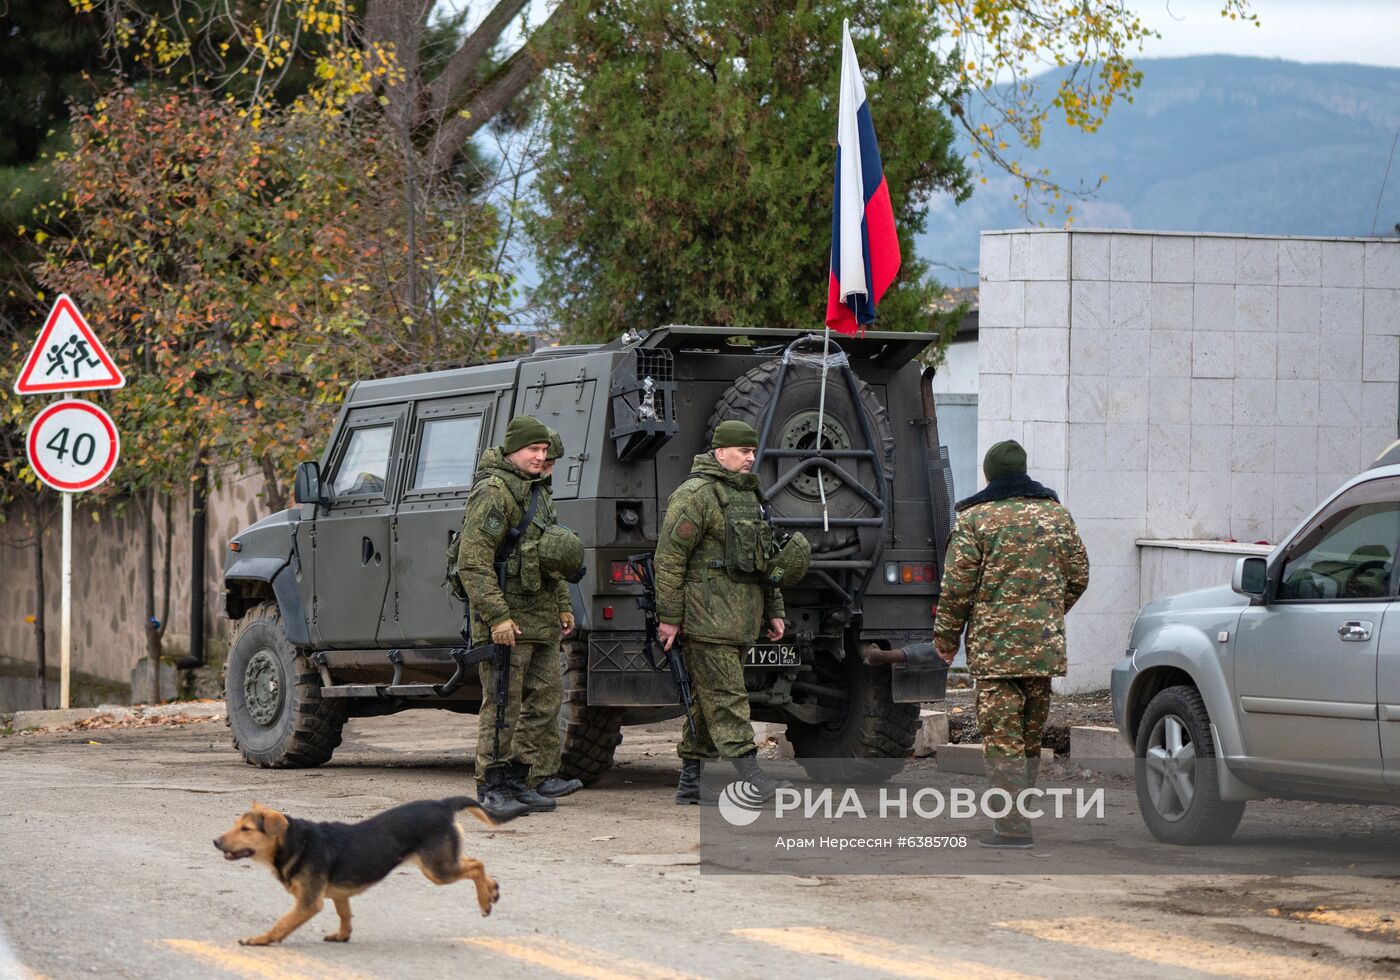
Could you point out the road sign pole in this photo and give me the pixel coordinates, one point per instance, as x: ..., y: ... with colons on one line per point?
x: 65, y: 631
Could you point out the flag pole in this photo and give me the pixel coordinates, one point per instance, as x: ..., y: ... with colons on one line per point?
x: 821, y: 426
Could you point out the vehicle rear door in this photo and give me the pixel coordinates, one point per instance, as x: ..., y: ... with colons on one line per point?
x: 1306, y: 661
x: 447, y: 436
x: 351, y: 534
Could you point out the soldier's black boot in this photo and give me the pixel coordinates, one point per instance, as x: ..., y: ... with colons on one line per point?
x: 691, y: 789
x: 496, y: 797
x: 557, y: 786
x: 516, y: 774
x: 767, y: 786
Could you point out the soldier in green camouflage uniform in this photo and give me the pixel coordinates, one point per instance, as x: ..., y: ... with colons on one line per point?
x: 1015, y: 566
x: 524, y: 616
x: 713, y: 608
x: 537, y: 738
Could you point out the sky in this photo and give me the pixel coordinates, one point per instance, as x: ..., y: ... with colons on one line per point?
x: 1360, y: 31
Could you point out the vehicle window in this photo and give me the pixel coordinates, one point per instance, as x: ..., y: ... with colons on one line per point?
x: 364, y: 468
x: 1347, y: 555
x: 447, y: 453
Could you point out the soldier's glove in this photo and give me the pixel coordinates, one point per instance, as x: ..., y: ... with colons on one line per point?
x: 566, y: 622
x: 505, y: 633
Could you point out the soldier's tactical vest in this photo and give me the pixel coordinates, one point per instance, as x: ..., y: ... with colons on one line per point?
x: 748, y: 547
x: 523, y: 572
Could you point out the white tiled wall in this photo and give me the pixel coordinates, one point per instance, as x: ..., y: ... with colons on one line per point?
x: 1183, y: 386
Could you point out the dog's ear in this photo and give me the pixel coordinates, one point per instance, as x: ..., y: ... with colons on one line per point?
x: 274, y: 823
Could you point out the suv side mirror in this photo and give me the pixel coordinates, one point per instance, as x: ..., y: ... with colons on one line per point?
x: 1251, y: 578
x: 307, y: 488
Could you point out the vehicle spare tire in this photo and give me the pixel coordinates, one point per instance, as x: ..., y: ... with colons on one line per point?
x: 794, y: 426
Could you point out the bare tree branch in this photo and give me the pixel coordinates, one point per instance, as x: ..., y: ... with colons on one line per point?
x: 462, y: 66
x: 514, y: 75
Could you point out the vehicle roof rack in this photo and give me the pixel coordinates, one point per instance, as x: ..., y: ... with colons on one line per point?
x: 887, y: 348
x: 1388, y: 457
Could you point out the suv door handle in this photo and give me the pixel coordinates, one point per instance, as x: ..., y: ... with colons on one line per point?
x: 1355, y: 631
x: 367, y: 553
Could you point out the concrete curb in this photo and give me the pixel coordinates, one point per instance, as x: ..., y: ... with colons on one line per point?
x: 932, y: 733
x: 54, y: 718
x: 1100, y: 749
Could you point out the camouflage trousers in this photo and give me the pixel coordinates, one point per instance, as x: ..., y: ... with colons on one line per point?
x: 721, y: 703
x: 1011, y: 713
x: 531, y: 732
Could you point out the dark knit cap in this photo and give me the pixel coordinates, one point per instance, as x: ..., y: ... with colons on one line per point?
x: 734, y: 433
x: 1004, y: 459
x: 524, y: 430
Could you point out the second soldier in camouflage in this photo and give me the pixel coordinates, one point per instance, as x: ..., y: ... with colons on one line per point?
x: 712, y: 597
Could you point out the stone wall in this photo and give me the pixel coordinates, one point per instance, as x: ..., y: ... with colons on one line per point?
x: 1183, y: 386
x: 108, y: 595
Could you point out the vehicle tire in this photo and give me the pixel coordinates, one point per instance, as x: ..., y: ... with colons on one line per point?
x: 1178, y: 786
x: 873, y: 728
x: 749, y: 398
x: 274, y: 697
x: 590, y: 735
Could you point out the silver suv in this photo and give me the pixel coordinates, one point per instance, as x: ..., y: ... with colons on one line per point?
x: 1284, y: 684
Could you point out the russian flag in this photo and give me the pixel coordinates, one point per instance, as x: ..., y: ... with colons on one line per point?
x: 864, y: 246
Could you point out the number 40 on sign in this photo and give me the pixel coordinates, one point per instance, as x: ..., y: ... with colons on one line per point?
x: 73, y: 445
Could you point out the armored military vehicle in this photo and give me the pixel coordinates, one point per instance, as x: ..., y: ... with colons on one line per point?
x: 340, y: 605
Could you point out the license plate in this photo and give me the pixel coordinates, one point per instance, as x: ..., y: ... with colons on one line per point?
x: 772, y: 655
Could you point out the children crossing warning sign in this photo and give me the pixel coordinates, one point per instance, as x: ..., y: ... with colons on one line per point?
x: 67, y: 356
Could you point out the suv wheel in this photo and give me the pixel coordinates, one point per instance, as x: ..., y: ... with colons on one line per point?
x: 1178, y: 788
x: 871, y: 727
x: 274, y: 697
x: 590, y: 735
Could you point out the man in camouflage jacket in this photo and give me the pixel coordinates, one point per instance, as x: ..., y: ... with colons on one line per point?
x: 537, y: 737
x: 523, y: 616
x: 1015, y: 566
x: 714, y: 609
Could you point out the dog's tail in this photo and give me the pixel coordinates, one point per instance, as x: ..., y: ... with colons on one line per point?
x: 478, y: 811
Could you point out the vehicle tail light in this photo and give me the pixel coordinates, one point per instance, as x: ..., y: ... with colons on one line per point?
x: 622, y: 573
x: 910, y: 573
x: 607, y: 612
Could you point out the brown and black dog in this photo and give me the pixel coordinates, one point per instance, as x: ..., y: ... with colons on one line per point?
x: 316, y: 861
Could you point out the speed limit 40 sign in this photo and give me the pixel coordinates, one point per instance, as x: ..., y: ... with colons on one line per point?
x: 73, y: 445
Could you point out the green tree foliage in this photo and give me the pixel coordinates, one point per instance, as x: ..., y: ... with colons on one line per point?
x: 689, y: 173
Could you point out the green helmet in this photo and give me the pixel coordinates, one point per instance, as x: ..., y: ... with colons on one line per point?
x: 789, y: 566
x: 561, y: 553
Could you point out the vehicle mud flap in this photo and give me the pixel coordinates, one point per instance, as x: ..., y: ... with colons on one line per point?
x: 914, y: 685
x: 924, y: 677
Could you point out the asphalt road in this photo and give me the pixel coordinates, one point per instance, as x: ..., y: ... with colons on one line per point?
x: 107, y: 868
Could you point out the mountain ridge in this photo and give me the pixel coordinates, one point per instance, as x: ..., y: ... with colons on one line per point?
x: 1210, y: 143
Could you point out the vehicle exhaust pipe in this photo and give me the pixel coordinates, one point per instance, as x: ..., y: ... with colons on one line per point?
x: 914, y: 655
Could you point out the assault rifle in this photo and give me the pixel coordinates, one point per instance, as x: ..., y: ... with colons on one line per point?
x: 645, y: 571
x: 499, y: 656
